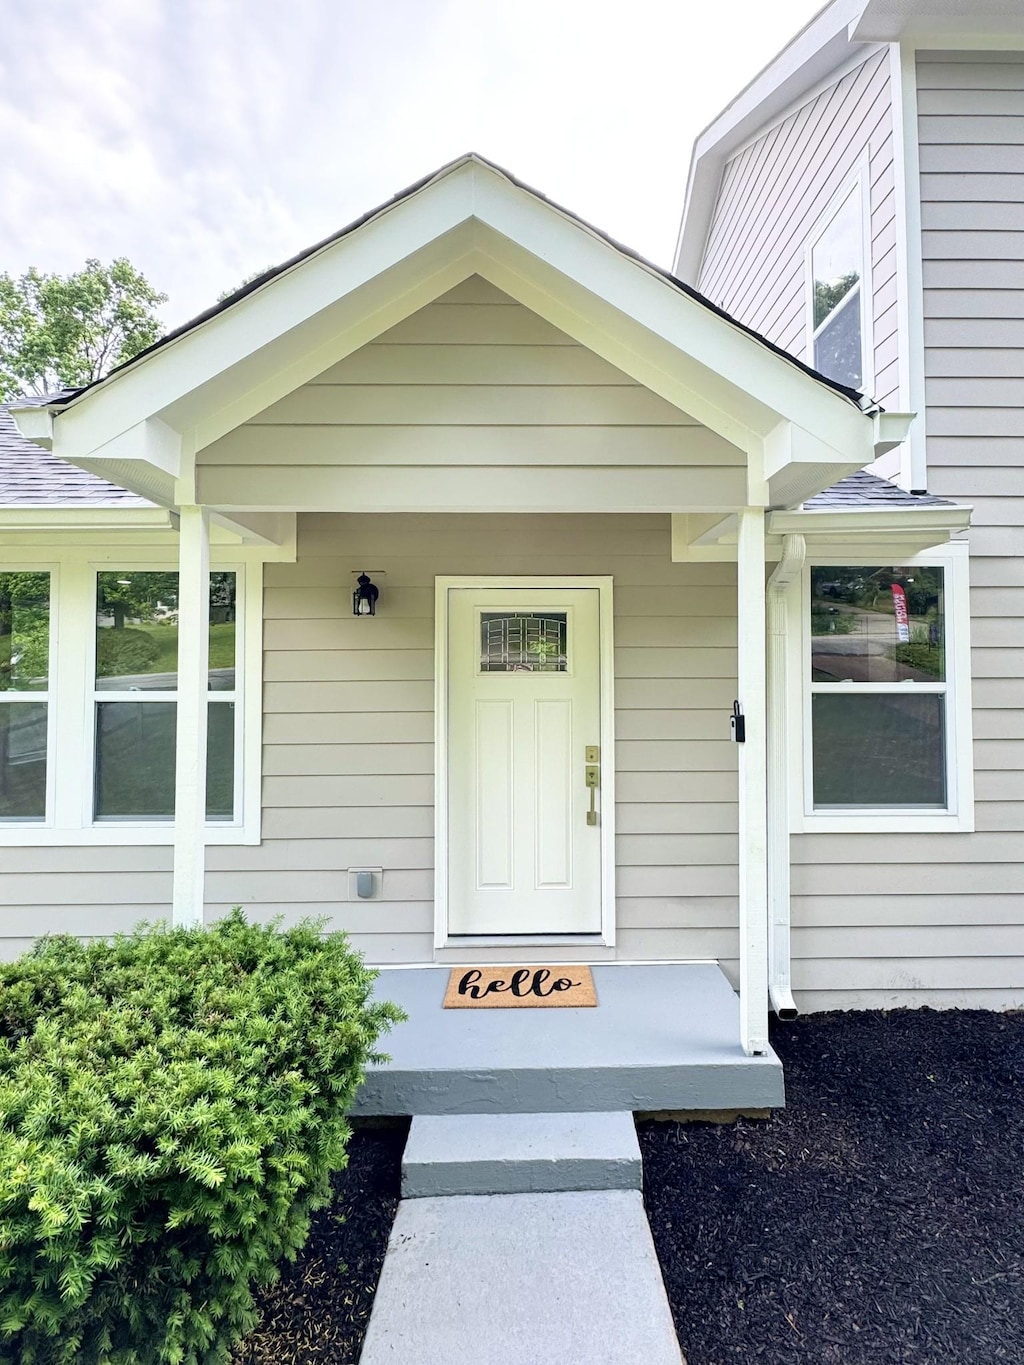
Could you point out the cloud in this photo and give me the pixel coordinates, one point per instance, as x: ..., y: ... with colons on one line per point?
x: 205, y: 139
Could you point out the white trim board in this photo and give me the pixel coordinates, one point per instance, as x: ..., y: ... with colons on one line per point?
x: 443, y: 585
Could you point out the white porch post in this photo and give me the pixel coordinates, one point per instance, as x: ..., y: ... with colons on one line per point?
x: 753, y: 790
x: 190, y: 755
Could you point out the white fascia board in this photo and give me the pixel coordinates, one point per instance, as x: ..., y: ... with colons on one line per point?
x: 821, y: 47
x: 751, y: 379
x: 931, y: 525
x: 75, y: 517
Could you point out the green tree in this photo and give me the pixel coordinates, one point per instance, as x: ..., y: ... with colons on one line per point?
x: 828, y: 293
x: 24, y: 629
x: 135, y: 596
x: 63, y: 331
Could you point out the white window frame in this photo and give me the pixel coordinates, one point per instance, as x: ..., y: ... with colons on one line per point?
x: 959, y: 812
x: 29, y: 823
x: 72, y: 699
x: 859, y: 184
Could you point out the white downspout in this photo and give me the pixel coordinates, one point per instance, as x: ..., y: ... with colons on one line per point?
x: 788, y: 569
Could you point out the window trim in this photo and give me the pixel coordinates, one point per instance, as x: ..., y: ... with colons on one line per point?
x: 71, y: 720
x: 31, y: 823
x: 959, y: 812
x: 858, y: 183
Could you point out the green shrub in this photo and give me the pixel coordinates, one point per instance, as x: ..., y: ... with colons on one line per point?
x: 124, y: 651
x: 825, y: 622
x: 172, y: 1104
x: 920, y: 655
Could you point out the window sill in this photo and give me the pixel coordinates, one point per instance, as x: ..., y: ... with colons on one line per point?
x: 114, y: 835
x: 883, y: 822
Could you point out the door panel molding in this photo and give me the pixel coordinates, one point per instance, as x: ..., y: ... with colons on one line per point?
x: 443, y: 587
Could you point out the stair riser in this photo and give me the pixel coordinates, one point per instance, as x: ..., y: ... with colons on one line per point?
x: 519, y: 1177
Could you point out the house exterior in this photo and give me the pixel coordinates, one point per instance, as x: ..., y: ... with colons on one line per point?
x: 576, y: 725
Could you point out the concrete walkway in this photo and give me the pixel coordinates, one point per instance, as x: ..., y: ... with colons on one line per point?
x: 497, y: 1279
x: 557, y: 1263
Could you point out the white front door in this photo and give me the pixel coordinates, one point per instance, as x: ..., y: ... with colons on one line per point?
x: 524, y: 706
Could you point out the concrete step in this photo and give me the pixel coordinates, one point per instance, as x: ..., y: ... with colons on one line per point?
x: 502, y: 1279
x: 520, y: 1154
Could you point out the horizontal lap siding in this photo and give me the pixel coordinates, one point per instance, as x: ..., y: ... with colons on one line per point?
x: 940, y: 918
x: 349, y: 755
x: 774, y: 192
x: 473, y: 400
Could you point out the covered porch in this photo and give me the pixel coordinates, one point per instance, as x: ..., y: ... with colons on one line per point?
x: 469, y: 361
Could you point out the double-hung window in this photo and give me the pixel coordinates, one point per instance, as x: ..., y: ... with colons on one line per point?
x: 135, y: 696
x: 886, y: 700
x: 89, y: 700
x: 837, y: 320
x: 24, y: 696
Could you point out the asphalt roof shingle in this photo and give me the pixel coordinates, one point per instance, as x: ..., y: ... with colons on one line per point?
x: 862, y: 491
x: 32, y: 477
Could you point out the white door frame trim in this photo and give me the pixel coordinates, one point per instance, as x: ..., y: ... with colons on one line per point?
x: 442, y: 588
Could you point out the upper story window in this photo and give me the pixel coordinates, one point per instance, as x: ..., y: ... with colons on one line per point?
x: 837, y: 299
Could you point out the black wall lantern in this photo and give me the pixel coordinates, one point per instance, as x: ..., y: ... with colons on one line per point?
x: 364, y: 599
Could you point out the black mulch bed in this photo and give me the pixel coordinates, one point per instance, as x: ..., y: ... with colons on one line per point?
x: 878, y: 1220
x: 319, y: 1309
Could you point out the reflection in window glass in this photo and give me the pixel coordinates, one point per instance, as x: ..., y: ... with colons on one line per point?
x: 23, y: 761
x: 523, y: 642
x: 837, y: 348
x: 24, y: 631
x: 878, y: 625
x: 222, y: 632
x: 879, y: 750
x: 836, y: 268
x: 836, y: 259
x: 220, y: 761
x: 137, y: 631
x: 135, y: 760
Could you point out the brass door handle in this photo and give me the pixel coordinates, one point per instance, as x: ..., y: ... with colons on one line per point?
x: 592, y: 778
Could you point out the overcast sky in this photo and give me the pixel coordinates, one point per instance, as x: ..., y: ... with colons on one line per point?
x: 207, y: 139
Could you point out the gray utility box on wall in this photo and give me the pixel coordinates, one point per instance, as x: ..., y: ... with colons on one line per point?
x: 364, y: 883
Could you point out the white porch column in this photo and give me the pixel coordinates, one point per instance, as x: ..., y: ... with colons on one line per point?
x: 753, y: 789
x: 190, y: 755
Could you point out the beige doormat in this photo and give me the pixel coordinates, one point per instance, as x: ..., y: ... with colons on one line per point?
x: 519, y: 987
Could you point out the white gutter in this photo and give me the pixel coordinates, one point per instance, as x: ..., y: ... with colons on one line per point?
x: 788, y: 569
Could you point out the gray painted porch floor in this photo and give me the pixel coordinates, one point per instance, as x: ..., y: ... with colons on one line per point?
x: 663, y: 1036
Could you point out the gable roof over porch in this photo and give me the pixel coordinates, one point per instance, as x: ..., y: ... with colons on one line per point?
x: 145, y: 424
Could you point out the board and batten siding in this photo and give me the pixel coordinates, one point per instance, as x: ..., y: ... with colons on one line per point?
x: 349, y: 727
x: 772, y: 195
x: 909, y: 919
